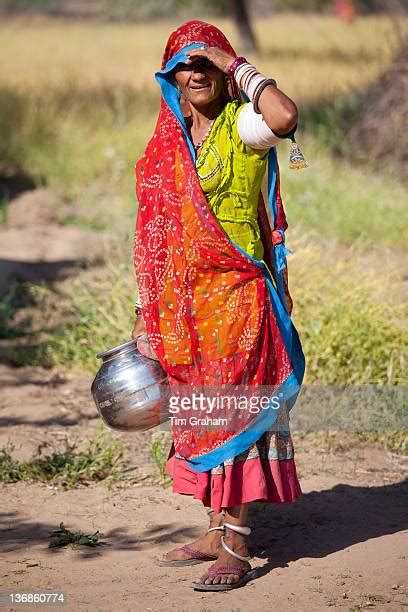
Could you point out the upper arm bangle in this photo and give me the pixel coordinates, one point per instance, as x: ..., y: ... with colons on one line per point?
x: 260, y: 89
x: 288, y: 134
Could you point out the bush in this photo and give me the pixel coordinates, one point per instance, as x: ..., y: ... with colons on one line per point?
x: 350, y: 334
x: 67, y: 468
x: 100, y: 316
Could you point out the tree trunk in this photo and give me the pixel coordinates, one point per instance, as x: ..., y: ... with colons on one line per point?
x: 240, y: 13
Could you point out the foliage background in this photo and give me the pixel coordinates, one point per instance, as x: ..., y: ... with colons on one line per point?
x: 77, y: 105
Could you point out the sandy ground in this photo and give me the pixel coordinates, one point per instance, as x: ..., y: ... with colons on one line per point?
x: 343, y: 544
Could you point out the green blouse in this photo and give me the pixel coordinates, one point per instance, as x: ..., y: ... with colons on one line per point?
x: 230, y: 175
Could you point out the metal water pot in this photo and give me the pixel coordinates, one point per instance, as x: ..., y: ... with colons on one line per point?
x: 130, y: 390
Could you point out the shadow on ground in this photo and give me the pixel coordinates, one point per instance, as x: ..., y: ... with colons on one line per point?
x: 14, y: 185
x: 15, y: 271
x: 61, y: 421
x: 318, y: 524
x: 67, y: 400
x: 19, y: 534
x: 323, y: 522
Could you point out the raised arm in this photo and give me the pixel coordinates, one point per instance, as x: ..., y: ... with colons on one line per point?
x: 277, y: 109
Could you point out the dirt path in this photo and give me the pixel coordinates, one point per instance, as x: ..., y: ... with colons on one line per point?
x: 342, y: 544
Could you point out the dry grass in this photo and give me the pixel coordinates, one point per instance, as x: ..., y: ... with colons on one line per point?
x: 311, y: 56
x: 81, y: 105
x: 78, y: 102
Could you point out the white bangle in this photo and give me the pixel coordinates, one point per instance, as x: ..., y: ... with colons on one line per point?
x: 138, y: 307
x: 254, y: 131
x: 249, y: 79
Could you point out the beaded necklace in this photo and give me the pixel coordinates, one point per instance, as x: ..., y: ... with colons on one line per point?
x: 199, y: 144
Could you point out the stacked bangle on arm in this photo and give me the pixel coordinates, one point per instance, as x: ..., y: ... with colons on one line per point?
x: 250, y: 80
x: 238, y: 61
x: 258, y: 92
x: 138, y: 307
x: 253, y: 83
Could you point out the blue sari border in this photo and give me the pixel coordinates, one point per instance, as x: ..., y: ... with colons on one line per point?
x: 290, y: 388
x: 288, y: 391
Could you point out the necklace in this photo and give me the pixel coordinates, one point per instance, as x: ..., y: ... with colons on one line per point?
x: 204, y: 138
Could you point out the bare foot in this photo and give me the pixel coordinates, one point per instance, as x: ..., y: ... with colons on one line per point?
x: 209, y: 544
x: 237, y: 543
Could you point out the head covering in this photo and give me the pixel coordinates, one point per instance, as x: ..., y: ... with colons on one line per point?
x: 212, y: 313
x: 195, y: 32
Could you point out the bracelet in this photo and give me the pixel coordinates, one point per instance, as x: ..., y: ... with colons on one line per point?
x: 259, y: 90
x: 288, y: 134
x: 251, y: 81
x: 237, y: 62
x: 138, y: 307
x: 248, y: 78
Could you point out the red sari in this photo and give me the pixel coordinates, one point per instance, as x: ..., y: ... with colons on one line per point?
x: 182, y: 257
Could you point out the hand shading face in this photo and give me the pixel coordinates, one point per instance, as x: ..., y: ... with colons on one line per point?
x: 200, y: 82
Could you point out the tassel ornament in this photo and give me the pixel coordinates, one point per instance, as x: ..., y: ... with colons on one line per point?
x: 296, y: 158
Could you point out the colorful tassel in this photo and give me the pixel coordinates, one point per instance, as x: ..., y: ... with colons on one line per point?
x: 296, y: 159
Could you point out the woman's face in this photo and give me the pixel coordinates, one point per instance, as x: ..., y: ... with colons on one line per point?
x: 200, y: 82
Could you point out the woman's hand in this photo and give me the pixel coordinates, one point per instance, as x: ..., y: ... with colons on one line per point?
x: 215, y: 55
x: 144, y: 348
x: 139, y: 328
x: 278, y: 110
x: 143, y: 345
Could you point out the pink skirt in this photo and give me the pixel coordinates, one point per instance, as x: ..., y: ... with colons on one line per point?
x: 265, y: 472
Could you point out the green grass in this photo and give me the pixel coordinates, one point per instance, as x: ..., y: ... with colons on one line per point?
x: 335, y: 441
x: 94, y: 223
x: 17, y: 295
x: 159, y: 450
x: 100, y: 460
x: 4, y: 208
x: 64, y: 537
x: 100, y: 316
x: 349, y: 338
x: 80, y: 134
x: 349, y: 335
x: 394, y: 441
x: 350, y: 204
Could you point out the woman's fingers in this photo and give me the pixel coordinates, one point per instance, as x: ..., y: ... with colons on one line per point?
x: 194, y: 53
x: 139, y: 328
x: 198, y: 51
x: 143, y: 346
x: 216, y: 56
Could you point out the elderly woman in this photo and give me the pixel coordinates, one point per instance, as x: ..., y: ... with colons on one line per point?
x: 214, y: 300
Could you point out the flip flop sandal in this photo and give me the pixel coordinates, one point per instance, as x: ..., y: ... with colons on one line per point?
x: 195, y: 556
x: 245, y: 575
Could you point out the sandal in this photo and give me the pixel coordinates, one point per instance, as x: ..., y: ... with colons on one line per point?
x: 245, y: 575
x: 195, y: 556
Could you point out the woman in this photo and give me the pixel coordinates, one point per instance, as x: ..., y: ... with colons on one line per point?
x: 213, y: 289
